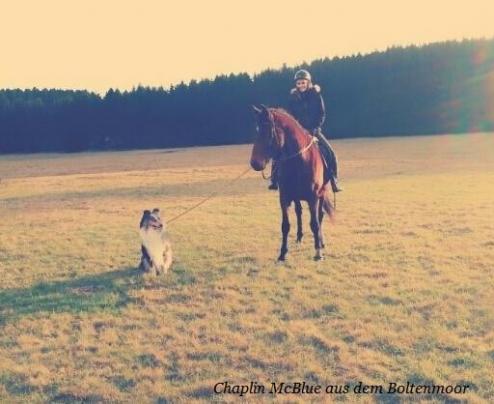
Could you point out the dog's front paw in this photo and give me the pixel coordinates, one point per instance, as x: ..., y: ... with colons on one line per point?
x: 144, y: 266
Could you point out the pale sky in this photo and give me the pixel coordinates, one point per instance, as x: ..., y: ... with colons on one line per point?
x: 98, y: 44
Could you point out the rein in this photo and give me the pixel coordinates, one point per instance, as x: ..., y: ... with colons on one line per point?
x: 301, y: 151
x: 291, y: 156
x: 282, y: 159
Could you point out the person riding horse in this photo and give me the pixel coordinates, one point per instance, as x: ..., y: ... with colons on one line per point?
x: 307, y: 107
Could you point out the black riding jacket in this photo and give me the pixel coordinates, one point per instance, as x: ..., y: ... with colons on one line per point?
x: 307, y: 107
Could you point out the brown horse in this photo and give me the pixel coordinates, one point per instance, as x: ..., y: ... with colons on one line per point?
x: 301, y: 171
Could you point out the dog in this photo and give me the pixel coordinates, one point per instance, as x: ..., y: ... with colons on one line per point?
x: 155, y: 248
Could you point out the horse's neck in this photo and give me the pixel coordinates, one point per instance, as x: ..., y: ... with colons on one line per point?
x: 295, y: 137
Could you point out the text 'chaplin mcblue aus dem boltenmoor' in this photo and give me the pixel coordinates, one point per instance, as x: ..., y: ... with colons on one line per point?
x: 304, y: 388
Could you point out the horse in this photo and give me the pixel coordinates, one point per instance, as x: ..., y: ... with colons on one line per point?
x: 301, y: 173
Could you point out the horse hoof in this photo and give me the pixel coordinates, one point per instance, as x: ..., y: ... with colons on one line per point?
x: 318, y: 258
x: 281, y: 258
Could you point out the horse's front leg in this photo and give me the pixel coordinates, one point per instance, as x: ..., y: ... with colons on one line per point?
x: 316, y: 228
x: 285, y: 228
x: 298, y: 211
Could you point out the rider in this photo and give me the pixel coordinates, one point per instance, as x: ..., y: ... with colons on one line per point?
x: 307, y: 107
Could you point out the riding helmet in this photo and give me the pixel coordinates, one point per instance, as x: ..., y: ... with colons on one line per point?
x: 302, y: 75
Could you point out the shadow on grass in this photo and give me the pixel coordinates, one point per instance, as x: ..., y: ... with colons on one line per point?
x: 108, y: 291
x: 105, y: 291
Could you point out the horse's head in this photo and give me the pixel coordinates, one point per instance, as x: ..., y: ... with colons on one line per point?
x: 268, y: 142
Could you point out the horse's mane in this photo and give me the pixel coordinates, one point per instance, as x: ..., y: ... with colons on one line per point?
x: 283, y: 112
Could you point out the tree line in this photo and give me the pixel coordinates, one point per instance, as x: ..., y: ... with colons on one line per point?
x: 445, y: 87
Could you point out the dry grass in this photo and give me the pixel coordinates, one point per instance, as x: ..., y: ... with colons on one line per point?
x: 404, y: 294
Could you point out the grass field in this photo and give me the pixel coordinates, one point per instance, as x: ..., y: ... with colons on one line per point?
x: 405, y: 293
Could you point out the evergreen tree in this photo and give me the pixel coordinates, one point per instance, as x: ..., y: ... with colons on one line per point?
x: 440, y: 88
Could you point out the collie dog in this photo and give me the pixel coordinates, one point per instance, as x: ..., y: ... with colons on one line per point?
x: 156, y: 249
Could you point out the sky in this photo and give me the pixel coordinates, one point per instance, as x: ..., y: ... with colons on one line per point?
x: 98, y: 44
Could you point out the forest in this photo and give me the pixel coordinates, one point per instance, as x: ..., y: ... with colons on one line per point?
x: 445, y: 87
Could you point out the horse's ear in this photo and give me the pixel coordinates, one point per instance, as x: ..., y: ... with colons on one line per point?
x: 256, y: 110
x: 265, y: 111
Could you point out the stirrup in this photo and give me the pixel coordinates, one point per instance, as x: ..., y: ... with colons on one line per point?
x: 273, y: 187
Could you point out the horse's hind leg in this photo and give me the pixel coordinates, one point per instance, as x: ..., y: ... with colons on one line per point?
x: 285, y: 229
x: 298, y: 211
x: 316, y: 228
x: 321, y: 217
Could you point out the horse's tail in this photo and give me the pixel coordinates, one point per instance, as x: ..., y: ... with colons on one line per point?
x: 328, y: 207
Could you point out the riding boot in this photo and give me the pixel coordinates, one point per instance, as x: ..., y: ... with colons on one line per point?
x: 334, y: 184
x: 274, y: 176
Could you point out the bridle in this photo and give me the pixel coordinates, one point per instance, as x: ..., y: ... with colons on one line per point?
x: 274, y: 143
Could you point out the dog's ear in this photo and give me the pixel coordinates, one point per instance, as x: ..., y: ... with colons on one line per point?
x: 156, y: 212
x: 145, y: 217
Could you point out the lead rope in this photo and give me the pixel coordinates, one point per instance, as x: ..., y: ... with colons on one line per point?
x: 212, y: 195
